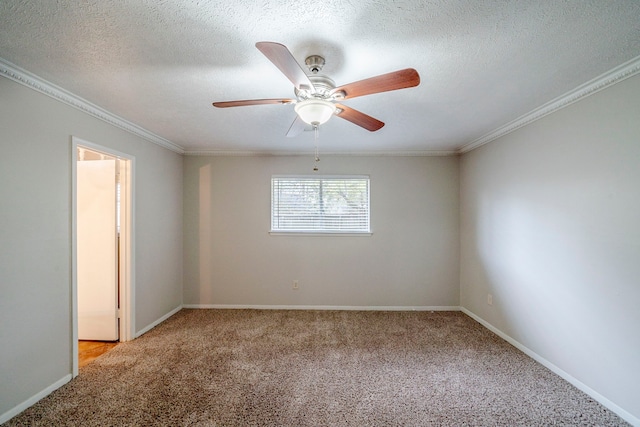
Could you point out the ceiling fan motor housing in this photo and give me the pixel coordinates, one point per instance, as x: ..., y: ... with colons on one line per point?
x: 323, y: 86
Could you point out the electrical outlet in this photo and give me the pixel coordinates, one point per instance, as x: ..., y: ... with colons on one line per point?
x: 295, y: 285
x: 489, y: 299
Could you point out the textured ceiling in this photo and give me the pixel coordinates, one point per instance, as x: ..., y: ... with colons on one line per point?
x: 160, y: 64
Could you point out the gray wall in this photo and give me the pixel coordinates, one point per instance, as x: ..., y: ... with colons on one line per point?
x: 410, y: 260
x: 35, y: 236
x: 550, y: 227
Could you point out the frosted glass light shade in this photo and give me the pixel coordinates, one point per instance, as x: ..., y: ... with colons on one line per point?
x: 315, y: 111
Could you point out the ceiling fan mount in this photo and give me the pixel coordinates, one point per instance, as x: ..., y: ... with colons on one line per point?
x: 316, y: 94
x: 314, y: 63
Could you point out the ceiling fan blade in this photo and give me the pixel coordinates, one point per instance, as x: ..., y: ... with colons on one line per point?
x: 358, y: 118
x: 245, y: 102
x: 296, y: 128
x: 391, y: 81
x: 284, y: 60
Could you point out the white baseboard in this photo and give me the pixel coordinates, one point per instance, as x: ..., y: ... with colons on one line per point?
x: 631, y: 419
x: 33, y: 399
x: 323, y: 307
x: 157, y: 322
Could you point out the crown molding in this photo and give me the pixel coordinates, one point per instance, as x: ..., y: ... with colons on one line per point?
x: 616, y: 75
x: 239, y: 153
x: 19, y: 75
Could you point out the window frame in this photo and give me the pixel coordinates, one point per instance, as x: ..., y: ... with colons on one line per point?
x: 330, y: 232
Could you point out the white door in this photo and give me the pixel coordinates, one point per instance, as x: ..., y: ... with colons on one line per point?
x: 97, y: 250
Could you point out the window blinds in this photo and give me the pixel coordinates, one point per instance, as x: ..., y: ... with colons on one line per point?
x: 320, y: 204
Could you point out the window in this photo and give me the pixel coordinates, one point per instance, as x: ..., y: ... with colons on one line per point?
x: 325, y: 204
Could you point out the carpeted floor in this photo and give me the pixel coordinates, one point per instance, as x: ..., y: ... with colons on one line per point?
x: 317, y: 368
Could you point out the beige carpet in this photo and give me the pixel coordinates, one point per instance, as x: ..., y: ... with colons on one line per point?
x: 316, y: 368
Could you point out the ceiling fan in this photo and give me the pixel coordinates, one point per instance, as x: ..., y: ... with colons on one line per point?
x: 316, y: 96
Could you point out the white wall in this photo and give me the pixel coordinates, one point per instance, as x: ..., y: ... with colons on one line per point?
x: 35, y: 234
x: 550, y: 227
x: 410, y: 260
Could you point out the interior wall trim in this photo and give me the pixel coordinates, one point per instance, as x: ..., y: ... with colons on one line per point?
x: 19, y: 75
x: 322, y: 307
x: 157, y: 322
x: 555, y: 369
x: 616, y: 75
x: 33, y: 399
x: 239, y: 153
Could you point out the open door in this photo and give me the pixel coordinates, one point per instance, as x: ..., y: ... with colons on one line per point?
x: 102, y: 245
x: 97, y: 249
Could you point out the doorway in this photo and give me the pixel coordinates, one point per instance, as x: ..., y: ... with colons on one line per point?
x: 102, y: 246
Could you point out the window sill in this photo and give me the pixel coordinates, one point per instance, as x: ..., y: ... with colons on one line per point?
x: 321, y: 234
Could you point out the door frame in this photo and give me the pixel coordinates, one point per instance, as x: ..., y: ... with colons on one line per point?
x: 126, y: 245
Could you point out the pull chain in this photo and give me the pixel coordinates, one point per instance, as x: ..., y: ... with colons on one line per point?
x: 317, y: 153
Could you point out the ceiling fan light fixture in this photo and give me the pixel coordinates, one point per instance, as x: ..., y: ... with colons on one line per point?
x: 315, y: 111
